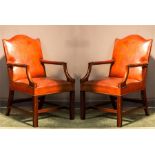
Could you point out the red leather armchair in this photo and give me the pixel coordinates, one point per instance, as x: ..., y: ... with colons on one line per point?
x: 128, y: 68
x: 27, y: 74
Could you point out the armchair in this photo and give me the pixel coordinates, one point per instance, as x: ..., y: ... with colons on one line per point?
x: 127, y: 74
x: 27, y: 74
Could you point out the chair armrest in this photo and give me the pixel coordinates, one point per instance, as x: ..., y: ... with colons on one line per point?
x: 138, y: 65
x: 101, y: 62
x: 64, y: 64
x: 123, y: 83
x: 31, y: 82
x: 90, y: 64
x: 16, y: 65
x: 52, y: 62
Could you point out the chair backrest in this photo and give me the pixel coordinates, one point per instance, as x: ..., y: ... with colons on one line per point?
x: 25, y: 50
x: 130, y: 50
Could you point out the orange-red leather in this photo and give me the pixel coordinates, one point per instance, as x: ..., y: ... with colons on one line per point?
x: 24, y: 50
x: 109, y: 85
x: 130, y: 50
x: 44, y: 86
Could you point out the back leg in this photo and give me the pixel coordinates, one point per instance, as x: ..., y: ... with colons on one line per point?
x: 145, y: 104
x: 42, y: 100
x: 10, y: 102
x: 112, y: 98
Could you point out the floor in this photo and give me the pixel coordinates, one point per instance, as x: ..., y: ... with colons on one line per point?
x: 94, y: 119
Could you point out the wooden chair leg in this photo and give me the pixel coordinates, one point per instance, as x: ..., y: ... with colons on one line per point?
x: 145, y: 104
x: 42, y: 100
x: 112, y: 98
x: 71, y: 106
x: 82, y: 105
x: 35, y: 111
x: 119, y: 111
x: 10, y: 102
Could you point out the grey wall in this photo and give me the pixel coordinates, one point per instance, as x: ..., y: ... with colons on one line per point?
x: 77, y: 45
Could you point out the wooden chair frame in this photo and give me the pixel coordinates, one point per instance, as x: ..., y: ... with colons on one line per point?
x: 38, y: 100
x: 117, y: 105
x: 119, y: 98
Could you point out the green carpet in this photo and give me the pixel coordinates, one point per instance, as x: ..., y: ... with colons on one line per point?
x: 94, y: 119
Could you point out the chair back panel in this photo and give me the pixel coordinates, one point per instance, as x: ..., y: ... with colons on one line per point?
x: 130, y: 50
x: 25, y: 50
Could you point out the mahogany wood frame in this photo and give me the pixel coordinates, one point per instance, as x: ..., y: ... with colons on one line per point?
x: 37, y: 107
x: 117, y: 108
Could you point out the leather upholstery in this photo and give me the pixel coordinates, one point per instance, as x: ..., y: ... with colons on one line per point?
x: 22, y: 49
x: 109, y: 85
x: 44, y: 86
x: 130, y: 50
x: 127, y: 75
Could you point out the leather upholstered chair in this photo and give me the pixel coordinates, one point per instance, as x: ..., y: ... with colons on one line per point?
x: 128, y: 68
x: 27, y: 74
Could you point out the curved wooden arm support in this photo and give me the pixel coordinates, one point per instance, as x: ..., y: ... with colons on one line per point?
x: 90, y: 64
x: 123, y: 83
x: 64, y: 64
x: 11, y: 65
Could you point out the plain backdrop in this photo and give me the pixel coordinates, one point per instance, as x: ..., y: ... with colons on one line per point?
x: 78, y: 12
x: 77, y: 45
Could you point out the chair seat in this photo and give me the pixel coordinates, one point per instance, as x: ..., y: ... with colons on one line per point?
x: 109, y: 85
x: 45, y: 85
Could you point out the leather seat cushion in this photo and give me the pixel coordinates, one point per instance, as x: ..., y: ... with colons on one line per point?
x: 44, y: 86
x: 109, y: 85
